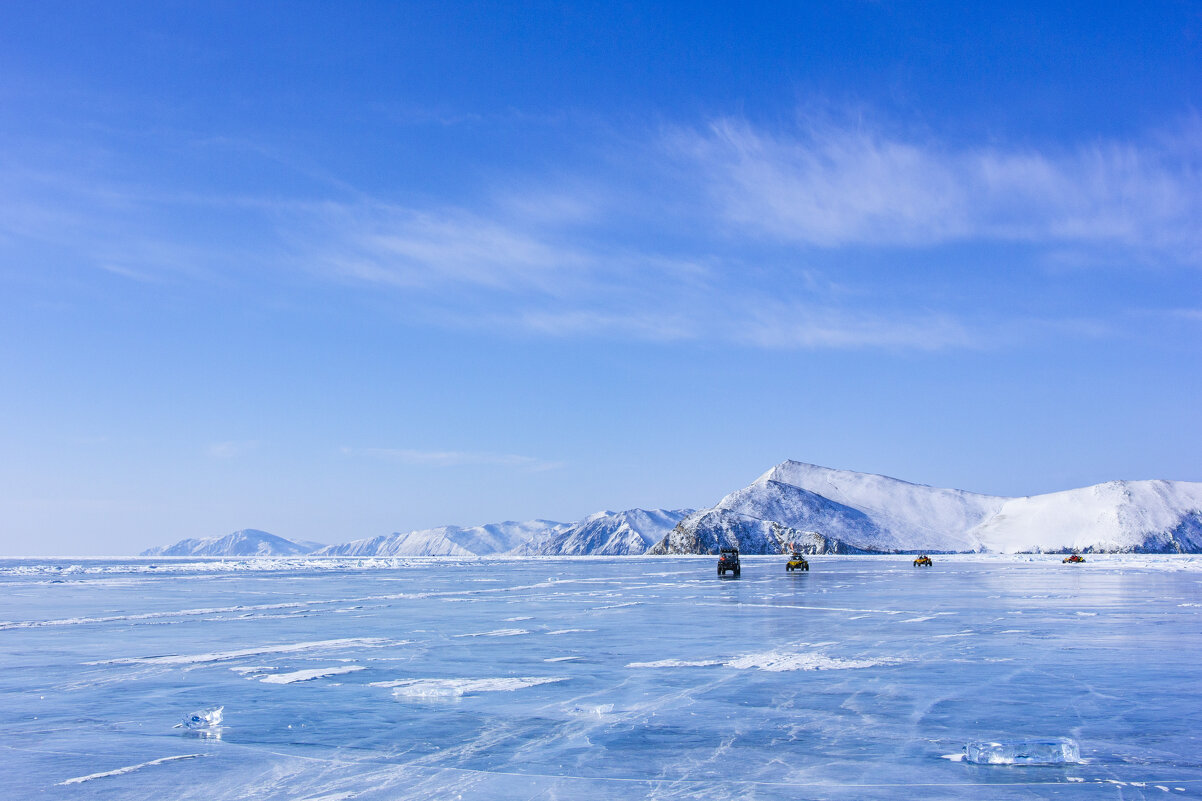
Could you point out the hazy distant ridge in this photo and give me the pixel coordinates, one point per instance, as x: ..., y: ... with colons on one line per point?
x: 247, y: 542
x: 486, y: 540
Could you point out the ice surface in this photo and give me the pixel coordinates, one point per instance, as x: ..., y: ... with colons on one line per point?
x: 775, y: 661
x: 771, y: 686
x: 223, y: 656
x: 442, y: 688
x: 1046, y: 751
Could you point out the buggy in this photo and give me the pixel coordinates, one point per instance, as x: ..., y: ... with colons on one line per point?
x: 728, y: 559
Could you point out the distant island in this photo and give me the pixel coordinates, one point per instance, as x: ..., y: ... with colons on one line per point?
x: 817, y: 510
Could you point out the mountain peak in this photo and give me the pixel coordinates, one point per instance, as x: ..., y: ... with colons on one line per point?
x: 791, y: 471
x: 244, y: 542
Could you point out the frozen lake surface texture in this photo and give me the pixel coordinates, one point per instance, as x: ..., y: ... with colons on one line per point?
x: 598, y: 678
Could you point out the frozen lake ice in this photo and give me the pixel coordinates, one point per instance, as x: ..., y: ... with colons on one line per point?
x: 598, y: 678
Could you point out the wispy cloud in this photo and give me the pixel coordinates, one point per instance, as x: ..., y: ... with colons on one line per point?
x: 831, y: 186
x: 541, y: 277
x: 456, y: 458
x: 784, y: 326
x: 725, y: 232
x: 754, y: 256
x: 430, y: 249
x: 131, y: 230
x: 662, y: 325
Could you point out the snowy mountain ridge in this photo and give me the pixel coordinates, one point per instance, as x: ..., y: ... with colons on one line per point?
x: 486, y: 540
x: 625, y: 533
x: 819, y: 510
x: 825, y: 510
x: 247, y: 542
x: 631, y: 531
x: 605, y: 533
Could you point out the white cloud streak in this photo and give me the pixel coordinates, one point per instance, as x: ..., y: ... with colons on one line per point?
x: 786, y: 327
x: 832, y: 186
x: 407, y: 248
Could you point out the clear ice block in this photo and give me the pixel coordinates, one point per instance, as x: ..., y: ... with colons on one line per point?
x: 203, y: 719
x: 1041, y: 751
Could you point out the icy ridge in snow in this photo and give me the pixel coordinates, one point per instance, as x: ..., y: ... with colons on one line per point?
x: 247, y: 542
x: 823, y: 510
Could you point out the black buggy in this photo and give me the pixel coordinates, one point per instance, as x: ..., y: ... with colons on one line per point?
x: 728, y: 559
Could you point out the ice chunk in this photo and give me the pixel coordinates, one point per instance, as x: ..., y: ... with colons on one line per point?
x: 309, y: 675
x: 1045, y: 751
x: 203, y: 719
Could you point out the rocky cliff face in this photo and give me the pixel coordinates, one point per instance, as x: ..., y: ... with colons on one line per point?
x: 625, y: 533
x: 712, y: 529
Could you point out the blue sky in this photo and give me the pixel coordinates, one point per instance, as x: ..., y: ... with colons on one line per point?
x: 335, y: 270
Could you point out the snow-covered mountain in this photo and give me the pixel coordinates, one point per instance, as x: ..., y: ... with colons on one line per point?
x: 1140, y: 516
x: 818, y: 510
x: 604, y: 533
x: 494, y: 538
x: 612, y: 533
x: 247, y: 542
x: 823, y: 510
